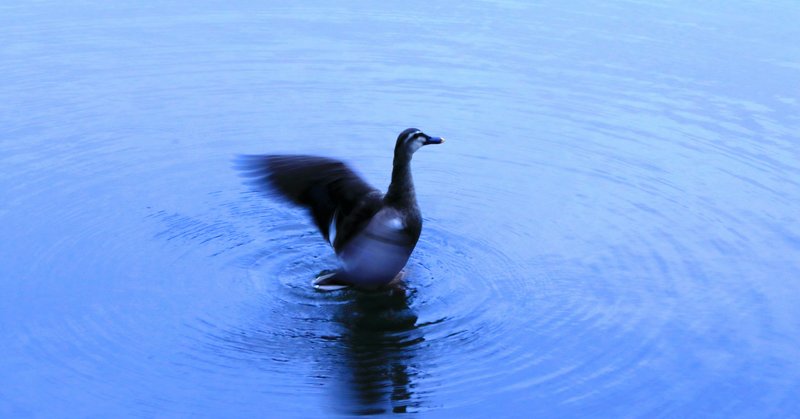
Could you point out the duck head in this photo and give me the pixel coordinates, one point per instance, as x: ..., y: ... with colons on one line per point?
x: 411, y: 140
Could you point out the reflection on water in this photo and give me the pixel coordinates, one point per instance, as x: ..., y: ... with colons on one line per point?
x: 380, y: 344
x: 366, y: 356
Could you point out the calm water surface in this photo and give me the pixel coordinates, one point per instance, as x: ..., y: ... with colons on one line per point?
x: 610, y: 230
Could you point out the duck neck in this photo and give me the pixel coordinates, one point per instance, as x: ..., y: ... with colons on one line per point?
x: 401, y: 190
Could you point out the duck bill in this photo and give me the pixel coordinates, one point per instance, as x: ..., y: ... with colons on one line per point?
x: 433, y: 140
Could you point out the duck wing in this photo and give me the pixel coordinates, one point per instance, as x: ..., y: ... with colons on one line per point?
x: 335, y: 195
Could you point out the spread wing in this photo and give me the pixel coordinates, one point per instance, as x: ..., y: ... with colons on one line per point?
x: 331, y: 191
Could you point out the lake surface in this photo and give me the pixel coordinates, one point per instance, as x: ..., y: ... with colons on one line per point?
x: 610, y: 230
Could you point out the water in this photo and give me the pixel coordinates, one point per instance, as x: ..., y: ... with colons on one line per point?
x: 610, y: 230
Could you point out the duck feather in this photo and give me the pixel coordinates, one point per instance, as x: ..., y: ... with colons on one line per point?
x: 373, y: 234
x: 339, y: 200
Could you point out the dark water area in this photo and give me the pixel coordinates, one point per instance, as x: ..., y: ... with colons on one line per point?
x: 610, y: 230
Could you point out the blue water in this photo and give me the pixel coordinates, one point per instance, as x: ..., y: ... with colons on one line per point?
x: 610, y: 230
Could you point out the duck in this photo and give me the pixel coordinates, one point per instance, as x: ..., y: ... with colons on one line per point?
x: 372, y: 233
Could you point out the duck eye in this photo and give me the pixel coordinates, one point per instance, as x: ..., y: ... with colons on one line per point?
x: 414, y: 136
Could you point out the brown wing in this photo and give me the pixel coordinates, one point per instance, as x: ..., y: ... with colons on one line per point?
x: 326, y: 187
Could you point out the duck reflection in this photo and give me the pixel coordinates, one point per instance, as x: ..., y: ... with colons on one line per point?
x: 380, y: 341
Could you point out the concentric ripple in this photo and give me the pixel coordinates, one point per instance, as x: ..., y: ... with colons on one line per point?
x: 365, y: 337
